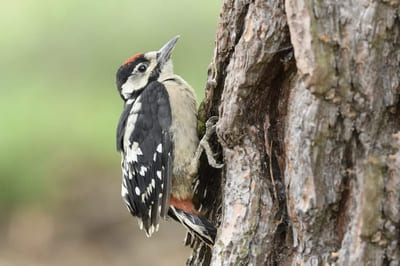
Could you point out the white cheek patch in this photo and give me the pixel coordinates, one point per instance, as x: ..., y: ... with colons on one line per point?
x: 135, y: 82
x: 127, y: 89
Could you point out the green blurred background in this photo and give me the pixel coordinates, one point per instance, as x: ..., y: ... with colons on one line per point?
x: 59, y: 170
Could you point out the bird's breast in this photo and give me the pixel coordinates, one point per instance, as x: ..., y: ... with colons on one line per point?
x: 184, y: 121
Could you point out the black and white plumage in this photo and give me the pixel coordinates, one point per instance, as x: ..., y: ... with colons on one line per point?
x: 143, y: 136
x: 157, y: 138
x: 197, y: 225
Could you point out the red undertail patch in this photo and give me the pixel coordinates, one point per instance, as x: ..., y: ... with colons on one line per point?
x: 185, y: 205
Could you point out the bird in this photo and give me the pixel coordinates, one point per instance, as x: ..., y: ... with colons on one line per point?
x: 158, y: 142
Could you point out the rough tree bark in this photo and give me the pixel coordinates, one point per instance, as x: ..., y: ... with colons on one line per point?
x: 307, y: 94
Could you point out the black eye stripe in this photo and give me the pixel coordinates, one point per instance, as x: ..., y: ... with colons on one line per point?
x: 125, y: 71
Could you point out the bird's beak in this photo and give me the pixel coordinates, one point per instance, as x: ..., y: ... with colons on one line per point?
x: 164, y: 54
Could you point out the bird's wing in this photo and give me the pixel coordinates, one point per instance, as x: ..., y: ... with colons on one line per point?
x: 147, y: 157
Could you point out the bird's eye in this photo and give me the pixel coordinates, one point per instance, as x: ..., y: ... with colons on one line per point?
x: 142, y: 68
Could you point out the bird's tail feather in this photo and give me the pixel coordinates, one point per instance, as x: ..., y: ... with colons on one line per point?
x: 196, y: 225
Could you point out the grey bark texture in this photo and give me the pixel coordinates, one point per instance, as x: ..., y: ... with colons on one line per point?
x: 307, y: 94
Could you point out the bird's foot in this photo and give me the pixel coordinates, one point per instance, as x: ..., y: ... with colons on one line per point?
x: 204, y: 145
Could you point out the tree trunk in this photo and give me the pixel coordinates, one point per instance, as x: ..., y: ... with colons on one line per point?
x: 307, y: 94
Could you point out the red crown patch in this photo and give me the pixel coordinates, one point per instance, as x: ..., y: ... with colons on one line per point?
x: 132, y: 58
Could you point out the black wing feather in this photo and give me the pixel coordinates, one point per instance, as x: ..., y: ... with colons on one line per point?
x: 122, y: 125
x: 147, y: 160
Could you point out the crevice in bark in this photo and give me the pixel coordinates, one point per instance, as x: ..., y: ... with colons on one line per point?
x: 274, y: 121
x: 240, y: 22
x: 270, y: 108
x: 343, y: 214
x: 395, y: 112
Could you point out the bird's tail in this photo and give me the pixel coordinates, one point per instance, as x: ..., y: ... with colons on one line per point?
x: 196, y: 225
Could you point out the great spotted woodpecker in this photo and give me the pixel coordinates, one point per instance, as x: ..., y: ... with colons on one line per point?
x: 157, y: 138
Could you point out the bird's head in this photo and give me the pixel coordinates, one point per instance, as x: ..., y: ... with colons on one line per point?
x: 143, y: 68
